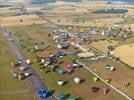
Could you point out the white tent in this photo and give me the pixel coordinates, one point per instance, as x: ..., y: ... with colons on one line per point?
x: 85, y: 55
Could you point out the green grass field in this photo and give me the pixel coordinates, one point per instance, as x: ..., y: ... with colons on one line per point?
x: 7, y: 83
x: 10, y: 89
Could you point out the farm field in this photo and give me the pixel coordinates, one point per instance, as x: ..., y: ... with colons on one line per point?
x: 6, y: 12
x: 89, y: 22
x: 21, y: 20
x: 102, y: 45
x: 126, y: 54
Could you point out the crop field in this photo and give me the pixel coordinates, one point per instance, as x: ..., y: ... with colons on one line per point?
x: 128, y: 55
x: 102, y: 45
x: 21, y: 20
x: 6, y: 12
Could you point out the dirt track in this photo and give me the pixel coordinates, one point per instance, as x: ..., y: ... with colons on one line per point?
x: 26, y: 20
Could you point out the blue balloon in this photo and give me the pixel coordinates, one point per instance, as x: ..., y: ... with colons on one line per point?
x: 61, y: 53
x: 62, y: 96
x: 42, y: 93
x: 65, y: 46
x: 71, y: 98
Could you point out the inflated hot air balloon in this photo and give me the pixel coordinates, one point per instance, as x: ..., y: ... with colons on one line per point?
x: 60, y: 82
x: 70, y: 66
x: 42, y: 93
x: 62, y: 96
x: 105, y: 91
x: 77, y: 80
x: 28, y: 61
x: 95, y: 79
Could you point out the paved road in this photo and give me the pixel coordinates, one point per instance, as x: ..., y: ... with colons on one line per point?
x: 35, y: 80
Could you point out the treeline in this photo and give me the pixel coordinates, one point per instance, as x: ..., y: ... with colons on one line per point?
x: 42, y: 1
x: 73, y: 0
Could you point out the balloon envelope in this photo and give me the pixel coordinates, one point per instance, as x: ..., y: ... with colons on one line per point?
x: 77, y: 80
x: 28, y: 61
x: 42, y: 93
x: 69, y: 66
x: 60, y: 82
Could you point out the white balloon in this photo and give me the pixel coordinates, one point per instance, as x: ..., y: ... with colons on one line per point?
x: 77, y: 80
